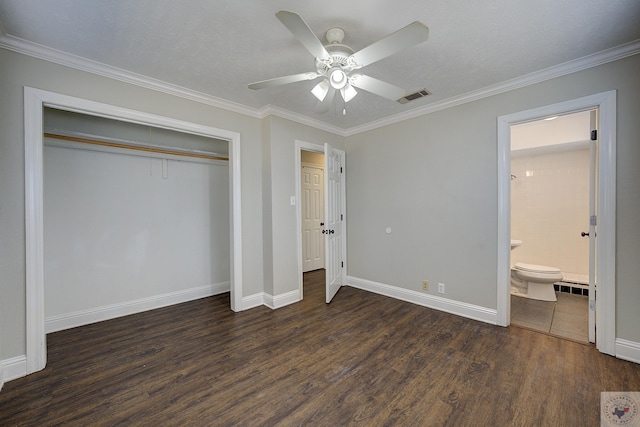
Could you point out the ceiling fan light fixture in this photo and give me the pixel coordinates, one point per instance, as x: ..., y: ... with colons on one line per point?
x: 320, y: 90
x: 337, y: 78
x: 348, y: 93
x: 336, y: 62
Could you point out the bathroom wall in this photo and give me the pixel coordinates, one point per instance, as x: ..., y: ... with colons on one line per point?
x: 549, y: 209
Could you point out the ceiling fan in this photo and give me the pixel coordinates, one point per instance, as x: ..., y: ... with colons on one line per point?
x: 339, y: 66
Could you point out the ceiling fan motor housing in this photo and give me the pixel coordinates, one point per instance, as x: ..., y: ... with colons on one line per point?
x: 340, y: 54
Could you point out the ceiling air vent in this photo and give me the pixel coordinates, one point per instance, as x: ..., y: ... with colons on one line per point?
x: 414, y: 96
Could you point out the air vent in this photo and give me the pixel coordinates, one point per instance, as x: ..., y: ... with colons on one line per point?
x: 411, y: 97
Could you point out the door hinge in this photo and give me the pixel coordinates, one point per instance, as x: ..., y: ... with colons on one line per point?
x: 592, y: 305
x: 341, y: 217
x: 593, y: 220
x: 340, y: 169
x: 594, y: 135
x: 342, y: 264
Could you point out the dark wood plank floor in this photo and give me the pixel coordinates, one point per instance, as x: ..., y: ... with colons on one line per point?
x: 364, y: 359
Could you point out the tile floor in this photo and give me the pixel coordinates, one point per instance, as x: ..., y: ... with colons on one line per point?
x: 567, y: 317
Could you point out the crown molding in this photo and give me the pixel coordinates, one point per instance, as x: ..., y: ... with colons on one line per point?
x: 272, y: 110
x: 24, y: 47
x: 589, y: 61
x: 18, y: 45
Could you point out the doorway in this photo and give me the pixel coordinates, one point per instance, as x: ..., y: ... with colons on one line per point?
x: 312, y: 155
x: 333, y: 228
x: 35, y: 100
x: 604, y: 305
x: 312, y: 210
x: 551, y: 176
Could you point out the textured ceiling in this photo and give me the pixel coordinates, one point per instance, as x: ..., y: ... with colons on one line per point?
x: 217, y: 47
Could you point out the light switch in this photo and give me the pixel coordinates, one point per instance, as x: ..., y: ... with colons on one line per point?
x: 293, y: 200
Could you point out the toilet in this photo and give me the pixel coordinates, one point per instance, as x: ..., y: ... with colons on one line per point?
x: 534, y: 281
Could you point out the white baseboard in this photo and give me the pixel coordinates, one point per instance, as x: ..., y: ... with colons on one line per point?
x: 271, y: 301
x: 13, y: 368
x: 475, y: 312
x: 98, y: 314
x: 628, y: 350
x: 281, y: 300
x: 251, y: 301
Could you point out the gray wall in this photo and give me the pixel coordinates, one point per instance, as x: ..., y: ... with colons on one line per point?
x: 433, y: 180
x: 280, y: 241
x: 19, y: 71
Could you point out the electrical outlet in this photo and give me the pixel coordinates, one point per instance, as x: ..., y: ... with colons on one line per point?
x: 441, y: 288
x: 425, y: 285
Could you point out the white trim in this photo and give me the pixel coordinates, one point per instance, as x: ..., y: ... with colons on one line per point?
x: 24, y: 47
x: 33, y: 147
x: 299, y: 147
x: 470, y: 311
x: 299, y: 118
x: 628, y: 350
x: 15, y: 367
x: 252, y: 301
x: 278, y: 301
x: 589, y: 61
x: 605, y: 244
x: 112, y: 311
x: 34, y: 50
x: 34, y: 101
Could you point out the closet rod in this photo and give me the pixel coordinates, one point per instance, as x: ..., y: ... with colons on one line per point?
x: 131, y: 147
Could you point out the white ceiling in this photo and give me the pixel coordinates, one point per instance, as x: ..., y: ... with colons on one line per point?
x: 215, y: 48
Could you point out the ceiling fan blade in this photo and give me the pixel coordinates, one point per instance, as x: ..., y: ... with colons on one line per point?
x: 404, y: 38
x: 278, y: 81
x: 324, y: 106
x: 303, y: 33
x: 378, y: 87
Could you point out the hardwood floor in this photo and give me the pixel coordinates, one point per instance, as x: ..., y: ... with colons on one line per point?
x: 364, y: 359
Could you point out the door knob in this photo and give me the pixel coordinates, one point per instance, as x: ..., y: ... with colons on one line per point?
x: 583, y: 234
x: 321, y: 224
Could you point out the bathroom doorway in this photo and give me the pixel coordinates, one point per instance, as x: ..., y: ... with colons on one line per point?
x: 605, y: 244
x: 551, y: 179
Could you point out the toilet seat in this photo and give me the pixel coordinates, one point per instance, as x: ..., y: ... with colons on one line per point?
x: 535, y: 281
x: 534, y: 268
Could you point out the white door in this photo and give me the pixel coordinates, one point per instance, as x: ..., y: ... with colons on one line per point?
x: 593, y: 186
x: 335, y: 202
x: 312, y: 218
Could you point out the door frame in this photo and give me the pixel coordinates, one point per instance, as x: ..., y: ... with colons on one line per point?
x: 35, y: 100
x: 301, y: 146
x: 605, y: 102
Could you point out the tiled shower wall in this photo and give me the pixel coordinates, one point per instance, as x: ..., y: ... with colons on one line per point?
x: 549, y: 209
